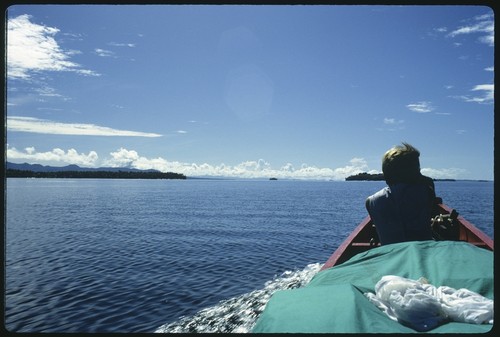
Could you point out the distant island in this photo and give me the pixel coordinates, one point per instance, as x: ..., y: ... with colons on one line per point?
x: 73, y: 171
x: 364, y: 176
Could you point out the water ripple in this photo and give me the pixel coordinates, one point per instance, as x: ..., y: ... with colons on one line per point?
x: 131, y: 256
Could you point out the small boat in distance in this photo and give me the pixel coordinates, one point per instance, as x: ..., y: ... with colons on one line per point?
x: 447, y: 225
x: 273, y: 178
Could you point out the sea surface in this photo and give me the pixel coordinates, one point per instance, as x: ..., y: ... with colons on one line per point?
x: 99, y: 255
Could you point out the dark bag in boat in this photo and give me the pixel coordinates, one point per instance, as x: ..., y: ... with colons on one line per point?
x: 445, y: 226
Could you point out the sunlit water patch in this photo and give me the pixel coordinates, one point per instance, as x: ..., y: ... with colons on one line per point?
x: 239, y: 314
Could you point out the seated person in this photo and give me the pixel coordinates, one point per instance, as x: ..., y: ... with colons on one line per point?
x: 402, y: 211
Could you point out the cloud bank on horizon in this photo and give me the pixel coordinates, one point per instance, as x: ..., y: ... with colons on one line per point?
x: 249, y: 169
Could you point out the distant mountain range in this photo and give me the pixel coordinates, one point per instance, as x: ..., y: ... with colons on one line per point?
x: 42, y: 168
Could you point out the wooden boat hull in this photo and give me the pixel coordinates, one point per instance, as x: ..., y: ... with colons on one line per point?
x: 364, y: 236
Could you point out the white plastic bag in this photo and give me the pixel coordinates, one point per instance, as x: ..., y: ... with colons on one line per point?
x: 422, y: 306
x: 466, y: 306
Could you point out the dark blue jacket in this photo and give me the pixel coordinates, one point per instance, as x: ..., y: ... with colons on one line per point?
x: 402, y: 212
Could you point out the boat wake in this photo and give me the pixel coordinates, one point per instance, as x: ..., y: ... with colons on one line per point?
x: 239, y: 314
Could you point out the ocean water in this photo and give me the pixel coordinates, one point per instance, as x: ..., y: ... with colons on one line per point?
x: 98, y: 255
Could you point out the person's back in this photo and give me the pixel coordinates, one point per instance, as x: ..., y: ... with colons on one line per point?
x: 402, y: 210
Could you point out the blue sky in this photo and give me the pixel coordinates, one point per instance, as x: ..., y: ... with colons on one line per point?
x: 305, y: 92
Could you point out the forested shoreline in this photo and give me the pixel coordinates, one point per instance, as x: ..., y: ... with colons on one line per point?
x: 13, y: 173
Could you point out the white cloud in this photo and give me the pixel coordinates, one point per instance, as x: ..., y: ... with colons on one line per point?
x: 131, y: 158
x: 392, y: 121
x: 483, y: 25
x: 490, y: 68
x: 122, y: 158
x: 392, y: 124
x: 248, y: 169
x: 47, y: 91
x: 488, y: 88
x: 104, y: 52
x: 487, y: 96
x: 116, y: 44
x: 356, y: 165
x: 446, y: 173
x: 35, y: 125
x: 420, y: 107
x: 57, y: 155
x: 32, y: 48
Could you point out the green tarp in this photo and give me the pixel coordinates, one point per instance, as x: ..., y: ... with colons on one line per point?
x: 334, y: 300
